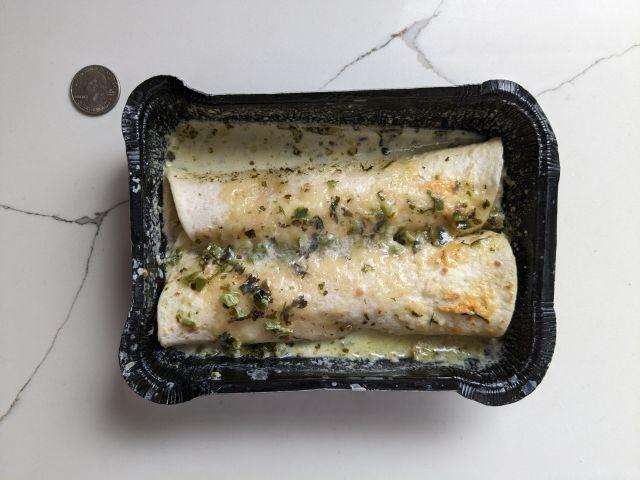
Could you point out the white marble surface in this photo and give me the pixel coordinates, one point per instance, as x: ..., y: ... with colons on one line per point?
x: 64, y: 285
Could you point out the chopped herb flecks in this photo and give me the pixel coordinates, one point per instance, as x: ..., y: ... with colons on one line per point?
x: 299, y: 302
x: 240, y: 312
x: 276, y: 328
x: 439, y: 235
x: 300, y: 213
x: 299, y: 269
x: 225, y: 258
x: 366, y: 268
x: 250, y: 285
x: 212, y: 253
x: 317, y: 223
x: 229, y: 300
x: 185, y: 320
x: 461, y: 220
x: 174, y: 258
x: 333, y: 208
x: 355, y: 228
x: 261, y: 293
x: 438, y: 203
x: 196, y: 281
x: 229, y: 343
x: 409, y: 239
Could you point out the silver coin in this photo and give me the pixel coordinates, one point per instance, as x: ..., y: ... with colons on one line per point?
x: 94, y: 90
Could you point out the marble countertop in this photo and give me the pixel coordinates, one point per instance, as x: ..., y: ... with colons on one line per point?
x: 65, y: 411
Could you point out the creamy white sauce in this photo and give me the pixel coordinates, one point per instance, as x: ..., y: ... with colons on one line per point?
x: 217, y: 147
x: 372, y: 345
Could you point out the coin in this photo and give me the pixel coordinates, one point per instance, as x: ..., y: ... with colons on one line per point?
x: 94, y: 90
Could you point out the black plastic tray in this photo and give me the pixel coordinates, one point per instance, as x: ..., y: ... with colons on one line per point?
x: 493, y: 108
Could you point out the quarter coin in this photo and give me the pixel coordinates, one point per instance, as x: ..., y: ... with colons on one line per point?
x: 94, y: 90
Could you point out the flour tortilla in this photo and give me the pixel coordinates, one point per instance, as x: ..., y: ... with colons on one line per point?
x: 416, y: 192
x: 467, y: 287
